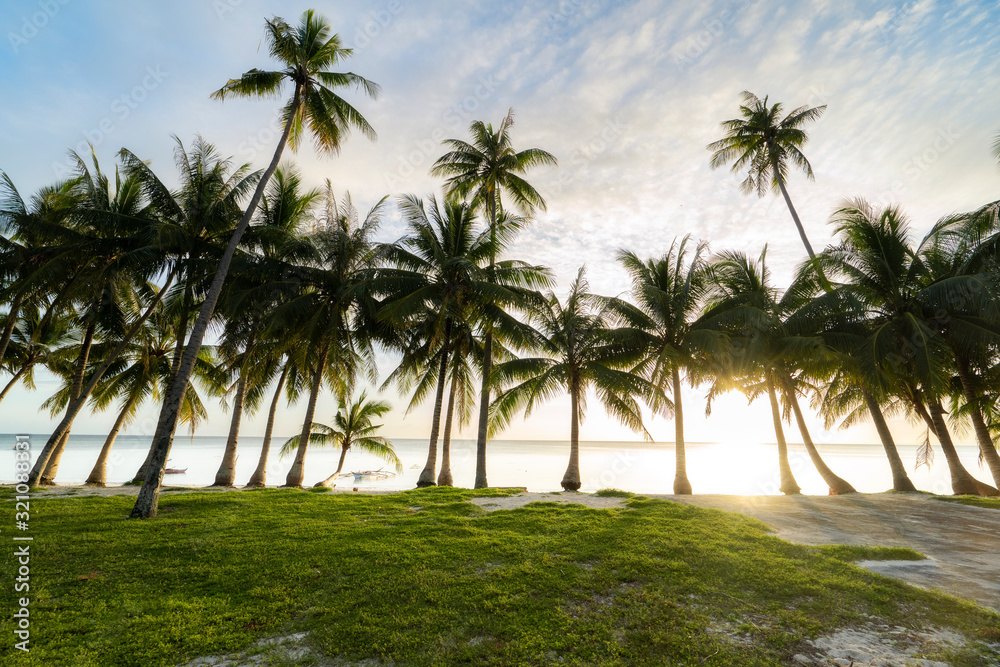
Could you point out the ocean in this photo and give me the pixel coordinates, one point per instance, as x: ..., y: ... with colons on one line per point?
x: 717, y: 467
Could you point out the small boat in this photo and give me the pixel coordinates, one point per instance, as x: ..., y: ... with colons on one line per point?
x: 371, y: 474
x: 175, y: 471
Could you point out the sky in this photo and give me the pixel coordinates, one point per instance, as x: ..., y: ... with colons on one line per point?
x: 625, y: 94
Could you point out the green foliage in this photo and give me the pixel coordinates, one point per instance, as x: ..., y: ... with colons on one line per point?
x: 424, y: 577
x: 613, y: 493
x: 975, y: 501
x: 854, y: 552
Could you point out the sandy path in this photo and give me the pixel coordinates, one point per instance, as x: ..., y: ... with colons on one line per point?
x: 962, y: 543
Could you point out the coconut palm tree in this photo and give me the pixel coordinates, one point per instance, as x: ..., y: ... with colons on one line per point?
x: 113, y: 237
x: 766, y: 145
x: 254, y: 352
x: 143, y: 372
x: 331, y: 302
x: 354, y: 427
x: 769, y: 355
x: 893, y: 292
x: 584, y: 351
x: 34, y: 262
x: 196, y: 221
x: 306, y: 54
x: 668, y: 293
x: 37, y: 340
x: 959, y: 254
x: 487, y: 170
x: 439, y: 272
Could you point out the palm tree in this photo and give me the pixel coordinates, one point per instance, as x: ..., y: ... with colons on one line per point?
x: 439, y: 273
x: 765, y: 144
x: 668, y: 293
x: 255, y: 353
x: 306, y: 53
x: 487, y: 169
x: 767, y: 350
x: 37, y: 340
x: 584, y: 351
x: 142, y: 372
x: 331, y: 304
x: 113, y: 237
x: 354, y: 427
x: 959, y: 254
x: 196, y: 222
x: 892, y: 291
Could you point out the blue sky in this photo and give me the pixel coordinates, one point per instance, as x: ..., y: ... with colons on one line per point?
x: 625, y: 94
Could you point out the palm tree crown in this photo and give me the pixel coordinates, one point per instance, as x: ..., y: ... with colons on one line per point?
x: 765, y: 144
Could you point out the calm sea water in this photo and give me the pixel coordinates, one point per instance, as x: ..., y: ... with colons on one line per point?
x: 539, y: 465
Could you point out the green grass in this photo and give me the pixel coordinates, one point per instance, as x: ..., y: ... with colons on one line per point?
x: 613, y: 493
x: 976, y: 501
x: 853, y: 553
x: 425, y: 578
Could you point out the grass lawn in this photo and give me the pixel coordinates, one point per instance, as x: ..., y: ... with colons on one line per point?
x: 976, y: 501
x: 424, y: 578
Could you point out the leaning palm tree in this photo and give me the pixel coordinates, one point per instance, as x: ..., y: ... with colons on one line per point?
x: 37, y: 341
x: 766, y: 144
x: 583, y: 351
x: 354, y: 427
x: 307, y: 53
x: 769, y: 355
x: 891, y: 289
x: 668, y: 293
x: 485, y: 170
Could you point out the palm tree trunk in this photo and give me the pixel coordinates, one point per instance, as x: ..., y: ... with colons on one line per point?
x: 297, y: 471
x: 226, y: 474
x: 837, y: 485
x: 962, y: 482
x: 900, y: 480
x: 329, y: 481
x: 427, y: 474
x: 149, y: 495
x: 99, y: 475
x: 682, y: 486
x: 788, y: 203
x: 8, y: 329
x: 445, y: 478
x: 788, y: 484
x: 51, y: 468
x: 175, y: 365
x: 74, y: 408
x: 484, y: 413
x: 484, y: 393
x: 571, y: 480
x: 259, y: 477
x: 986, y: 447
x: 17, y: 376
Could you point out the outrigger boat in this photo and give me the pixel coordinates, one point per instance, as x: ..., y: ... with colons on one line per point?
x: 370, y: 474
x: 175, y: 471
